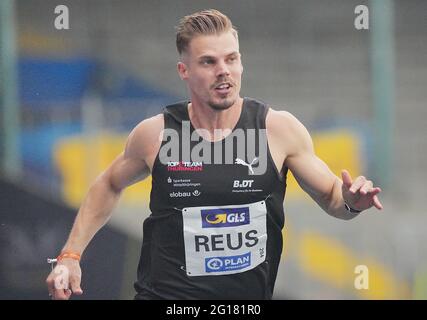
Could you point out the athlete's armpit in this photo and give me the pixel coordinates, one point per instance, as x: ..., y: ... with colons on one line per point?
x: 136, y: 162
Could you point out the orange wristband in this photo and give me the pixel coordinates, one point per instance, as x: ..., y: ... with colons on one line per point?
x: 71, y: 255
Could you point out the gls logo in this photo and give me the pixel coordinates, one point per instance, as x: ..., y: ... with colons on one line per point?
x: 227, y: 217
x: 243, y: 184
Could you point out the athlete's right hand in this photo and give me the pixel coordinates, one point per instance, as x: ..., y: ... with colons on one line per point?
x: 64, y: 280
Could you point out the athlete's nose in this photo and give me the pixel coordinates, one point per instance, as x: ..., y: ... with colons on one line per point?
x: 222, y: 69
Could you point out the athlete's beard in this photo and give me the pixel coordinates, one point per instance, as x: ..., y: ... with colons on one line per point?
x: 227, y: 102
x: 224, y: 105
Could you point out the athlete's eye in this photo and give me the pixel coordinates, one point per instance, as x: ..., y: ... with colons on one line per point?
x: 207, y: 61
x: 232, y: 58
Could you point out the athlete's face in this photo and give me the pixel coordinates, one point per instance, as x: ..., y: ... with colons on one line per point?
x: 213, y: 70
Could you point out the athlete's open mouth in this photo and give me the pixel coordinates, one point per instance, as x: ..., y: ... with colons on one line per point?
x: 223, y: 87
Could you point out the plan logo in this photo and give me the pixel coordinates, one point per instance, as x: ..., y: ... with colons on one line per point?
x: 222, y: 264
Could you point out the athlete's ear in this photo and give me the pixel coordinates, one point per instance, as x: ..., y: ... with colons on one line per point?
x: 182, y: 70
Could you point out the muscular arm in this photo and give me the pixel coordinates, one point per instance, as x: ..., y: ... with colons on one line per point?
x: 131, y: 166
x: 101, y: 199
x: 312, y: 174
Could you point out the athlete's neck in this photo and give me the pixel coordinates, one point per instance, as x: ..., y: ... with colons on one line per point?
x: 219, y: 123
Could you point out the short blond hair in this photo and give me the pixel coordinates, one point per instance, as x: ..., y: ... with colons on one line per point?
x: 206, y: 22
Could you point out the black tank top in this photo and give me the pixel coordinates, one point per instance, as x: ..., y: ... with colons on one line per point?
x: 215, y: 226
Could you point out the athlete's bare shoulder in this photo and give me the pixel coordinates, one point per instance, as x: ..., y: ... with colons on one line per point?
x: 279, y: 120
x: 150, y: 128
x: 145, y: 139
x: 287, y: 131
x: 282, y: 124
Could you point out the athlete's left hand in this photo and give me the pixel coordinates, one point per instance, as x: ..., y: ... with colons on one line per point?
x: 360, y: 194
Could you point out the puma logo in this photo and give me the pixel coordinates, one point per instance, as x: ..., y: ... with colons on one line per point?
x: 240, y: 161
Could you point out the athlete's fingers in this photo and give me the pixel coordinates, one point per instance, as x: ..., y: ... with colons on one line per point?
x: 346, y: 178
x: 61, y: 294
x: 366, y: 187
x: 374, y: 191
x: 50, y: 285
x: 68, y: 293
x: 377, y: 203
x: 357, y: 184
x: 75, y: 285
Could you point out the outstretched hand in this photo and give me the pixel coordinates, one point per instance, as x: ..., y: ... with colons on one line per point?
x: 360, y: 194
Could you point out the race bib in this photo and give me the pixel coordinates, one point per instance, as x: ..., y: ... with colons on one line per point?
x: 224, y: 239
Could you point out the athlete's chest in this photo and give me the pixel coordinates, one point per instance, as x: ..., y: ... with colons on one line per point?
x: 194, y: 182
